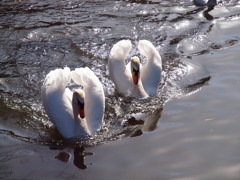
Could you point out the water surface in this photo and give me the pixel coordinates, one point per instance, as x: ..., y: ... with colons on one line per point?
x: 189, y: 131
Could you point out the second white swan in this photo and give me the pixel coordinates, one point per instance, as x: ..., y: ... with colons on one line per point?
x: 134, y: 79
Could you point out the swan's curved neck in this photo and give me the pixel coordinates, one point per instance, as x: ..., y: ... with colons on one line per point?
x: 135, y: 69
x: 78, y: 104
x: 138, y: 89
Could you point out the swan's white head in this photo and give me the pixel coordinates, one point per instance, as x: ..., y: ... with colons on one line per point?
x: 135, y: 69
x: 78, y: 103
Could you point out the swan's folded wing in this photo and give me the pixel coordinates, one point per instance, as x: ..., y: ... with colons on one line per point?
x: 120, y: 50
x: 120, y: 75
x: 85, y: 77
x: 56, y: 99
x: 94, y: 97
x: 54, y: 93
x: 151, y: 71
x: 57, y: 79
x: 148, y: 50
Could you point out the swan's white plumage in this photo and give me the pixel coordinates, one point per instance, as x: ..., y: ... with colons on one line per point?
x: 151, y: 71
x: 117, y: 67
x: 57, y: 102
x: 94, y: 97
x: 121, y: 73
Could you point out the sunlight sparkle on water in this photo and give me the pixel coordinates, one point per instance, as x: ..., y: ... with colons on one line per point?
x: 182, y: 25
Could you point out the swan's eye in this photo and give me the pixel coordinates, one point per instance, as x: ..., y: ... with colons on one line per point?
x: 135, y: 70
x: 81, y: 108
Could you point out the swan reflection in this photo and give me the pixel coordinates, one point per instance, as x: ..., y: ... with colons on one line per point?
x: 206, y: 13
x: 210, y: 4
x: 79, y: 156
x: 137, y: 124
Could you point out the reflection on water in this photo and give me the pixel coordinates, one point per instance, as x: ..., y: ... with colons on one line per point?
x: 37, y: 37
x: 62, y: 156
x: 206, y: 13
x: 210, y: 6
x: 79, y: 156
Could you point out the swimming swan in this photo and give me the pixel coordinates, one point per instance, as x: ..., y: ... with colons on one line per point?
x: 134, y: 79
x: 77, y: 113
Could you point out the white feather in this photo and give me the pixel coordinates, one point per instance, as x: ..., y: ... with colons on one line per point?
x: 151, y: 71
x: 117, y: 67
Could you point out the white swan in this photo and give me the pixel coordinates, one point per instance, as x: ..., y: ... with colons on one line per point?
x: 132, y: 79
x: 77, y: 113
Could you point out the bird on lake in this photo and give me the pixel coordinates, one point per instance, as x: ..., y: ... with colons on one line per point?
x: 134, y: 79
x: 74, y: 113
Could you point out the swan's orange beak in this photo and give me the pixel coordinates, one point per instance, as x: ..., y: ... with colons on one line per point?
x: 135, y: 76
x: 81, y: 109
